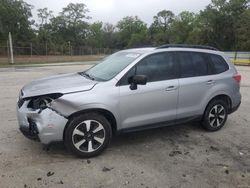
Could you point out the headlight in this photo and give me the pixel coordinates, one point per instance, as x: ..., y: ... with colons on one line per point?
x: 42, y: 102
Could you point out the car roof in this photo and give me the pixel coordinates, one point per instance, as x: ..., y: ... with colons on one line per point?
x: 139, y: 50
x: 150, y: 50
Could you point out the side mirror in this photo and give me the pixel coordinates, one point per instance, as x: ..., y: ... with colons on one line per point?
x: 137, y: 80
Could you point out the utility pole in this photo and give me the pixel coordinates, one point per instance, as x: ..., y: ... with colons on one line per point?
x: 69, y: 48
x: 8, y: 50
x: 11, y: 49
x: 46, y: 48
x: 31, y: 49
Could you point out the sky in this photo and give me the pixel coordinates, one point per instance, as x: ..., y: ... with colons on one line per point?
x: 114, y: 10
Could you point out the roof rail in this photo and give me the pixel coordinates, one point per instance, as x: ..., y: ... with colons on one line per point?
x: 186, y: 46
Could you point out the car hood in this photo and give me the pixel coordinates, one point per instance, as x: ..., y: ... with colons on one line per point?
x: 64, y: 83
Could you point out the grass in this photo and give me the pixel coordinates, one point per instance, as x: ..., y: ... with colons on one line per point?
x: 241, y: 62
x: 60, y: 60
x: 47, y: 60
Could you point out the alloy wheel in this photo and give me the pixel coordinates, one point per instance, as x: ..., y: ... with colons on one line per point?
x: 88, y: 136
x: 217, y: 115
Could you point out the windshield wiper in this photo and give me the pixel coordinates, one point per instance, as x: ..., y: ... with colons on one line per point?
x: 86, y: 75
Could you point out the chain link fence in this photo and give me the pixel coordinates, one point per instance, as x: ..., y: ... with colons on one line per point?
x: 31, y: 53
x: 39, y: 53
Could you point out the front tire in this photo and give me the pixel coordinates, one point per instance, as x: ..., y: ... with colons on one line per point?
x: 215, y: 115
x: 88, y: 135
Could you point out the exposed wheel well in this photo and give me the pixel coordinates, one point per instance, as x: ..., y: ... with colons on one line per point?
x: 225, y: 98
x: 107, y: 114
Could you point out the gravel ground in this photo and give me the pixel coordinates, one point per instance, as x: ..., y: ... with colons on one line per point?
x: 180, y: 156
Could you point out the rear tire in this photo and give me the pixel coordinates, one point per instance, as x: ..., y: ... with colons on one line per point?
x: 215, y: 115
x: 88, y: 135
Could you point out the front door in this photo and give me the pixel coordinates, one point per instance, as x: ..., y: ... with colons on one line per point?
x: 157, y: 100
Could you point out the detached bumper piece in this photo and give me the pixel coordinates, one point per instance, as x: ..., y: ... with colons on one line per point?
x: 31, y: 131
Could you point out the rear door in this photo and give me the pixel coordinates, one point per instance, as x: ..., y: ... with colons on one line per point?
x: 154, y: 102
x: 195, y: 81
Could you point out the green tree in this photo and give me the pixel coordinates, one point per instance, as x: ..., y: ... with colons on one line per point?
x: 159, y: 31
x: 218, y: 23
x: 163, y: 19
x: 223, y: 24
x: 243, y: 31
x: 95, y: 35
x: 74, y: 18
x: 59, y: 31
x: 184, y: 29
x: 239, y: 10
x: 109, y: 36
x: 132, y: 32
x: 44, y: 15
x: 15, y: 18
x: 44, y: 27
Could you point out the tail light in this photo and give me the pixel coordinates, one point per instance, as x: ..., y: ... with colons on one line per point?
x: 237, y: 77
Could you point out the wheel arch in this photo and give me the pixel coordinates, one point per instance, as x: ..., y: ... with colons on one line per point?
x: 223, y: 97
x: 106, y: 113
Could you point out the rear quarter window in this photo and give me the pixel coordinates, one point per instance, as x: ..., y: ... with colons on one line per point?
x: 219, y: 64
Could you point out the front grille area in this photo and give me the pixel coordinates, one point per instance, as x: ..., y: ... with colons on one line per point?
x: 20, y: 102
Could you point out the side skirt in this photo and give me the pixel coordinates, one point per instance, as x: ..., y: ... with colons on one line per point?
x: 160, y: 124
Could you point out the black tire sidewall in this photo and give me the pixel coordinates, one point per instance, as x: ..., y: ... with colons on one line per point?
x: 74, y: 121
x: 205, y: 121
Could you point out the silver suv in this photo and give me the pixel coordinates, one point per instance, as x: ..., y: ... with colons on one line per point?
x: 130, y: 90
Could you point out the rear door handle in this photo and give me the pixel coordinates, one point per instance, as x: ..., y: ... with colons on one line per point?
x: 171, y: 88
x: 210, y: 82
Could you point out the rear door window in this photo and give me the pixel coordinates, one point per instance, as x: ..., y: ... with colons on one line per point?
x: 186, y: 65
x: 193, y: 64
x: 201, y: 64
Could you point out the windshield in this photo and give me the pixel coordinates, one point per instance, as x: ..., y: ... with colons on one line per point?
x: 111, y: 66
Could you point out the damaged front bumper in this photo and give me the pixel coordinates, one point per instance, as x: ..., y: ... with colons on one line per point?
x: 30, y: 131
x: 44, y: 125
